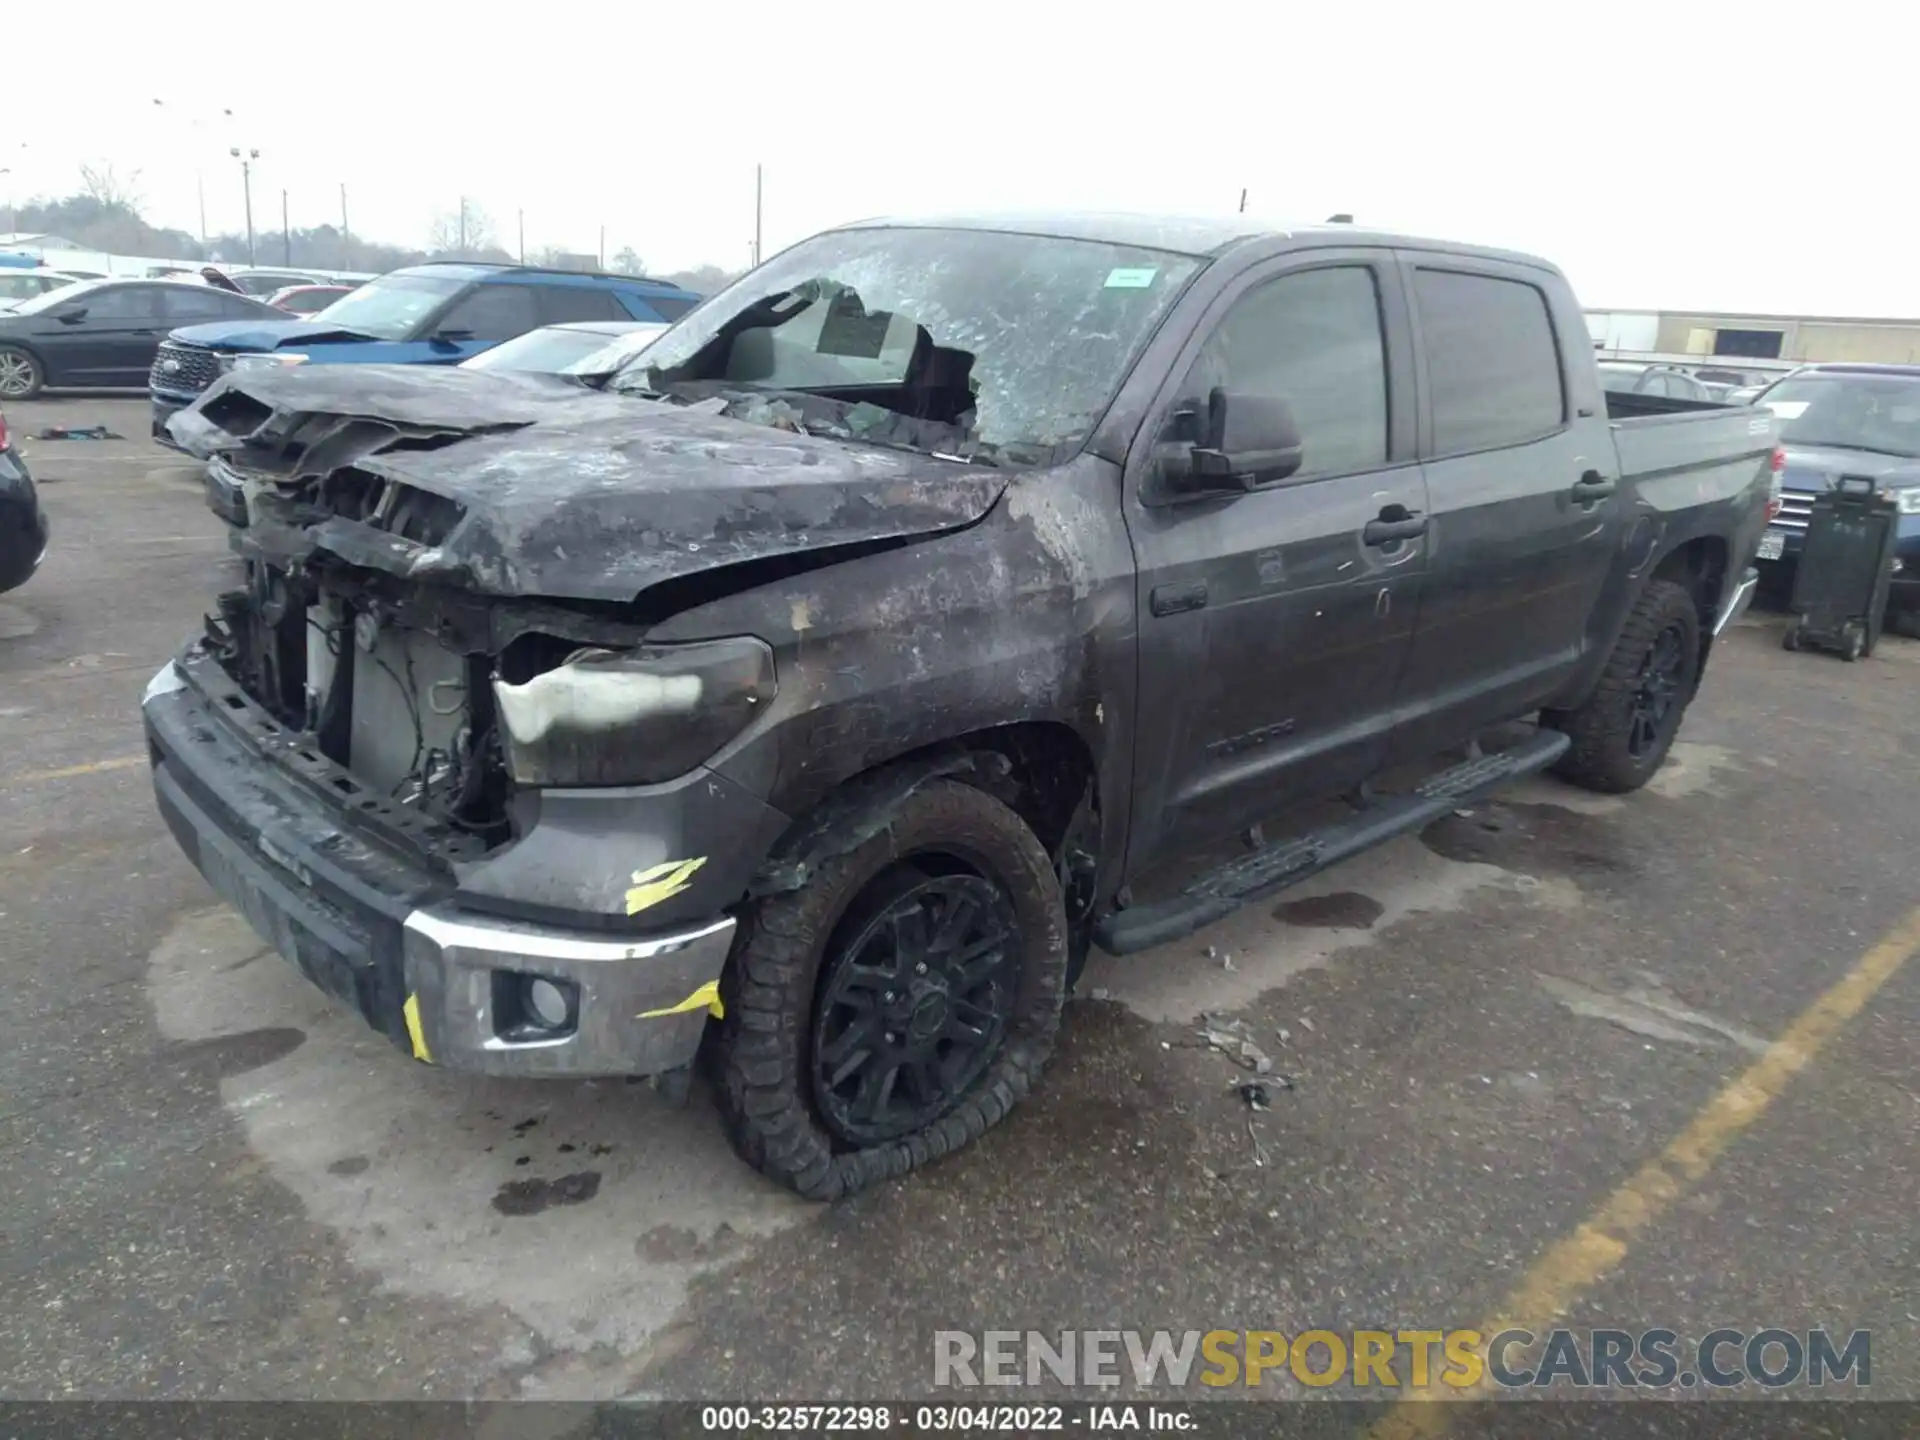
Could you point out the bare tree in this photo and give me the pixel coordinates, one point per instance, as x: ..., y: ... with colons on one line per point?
x: 462, y: 233
x: 628, y: 262
x: 108, y: 190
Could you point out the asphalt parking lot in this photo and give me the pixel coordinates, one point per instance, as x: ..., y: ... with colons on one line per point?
x: 214, y: 1184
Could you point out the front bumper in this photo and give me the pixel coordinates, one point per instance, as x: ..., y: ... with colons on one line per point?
x: 371, y: 916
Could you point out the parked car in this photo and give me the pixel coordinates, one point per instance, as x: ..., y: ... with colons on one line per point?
x: 1623, y: 377
x: 23, y: 525
x: 590, y: 347
x: 845, y: 667
x: 1849, y: 420
x: 307, y: 299
x: 18, y: 285
x: 105, y: 332
x: 263, y: 283
x: 439, y: 313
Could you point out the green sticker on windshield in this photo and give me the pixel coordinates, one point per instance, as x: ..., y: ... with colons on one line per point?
x: 1124, y: 279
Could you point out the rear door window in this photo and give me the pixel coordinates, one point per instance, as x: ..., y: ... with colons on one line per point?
x: 191, y: 304
x: 494, y: 312
x: 567, y: 304
x: 1493, y: 365
x: 664, y: 307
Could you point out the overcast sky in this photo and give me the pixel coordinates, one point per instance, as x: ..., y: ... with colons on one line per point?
x: 1731, y: 155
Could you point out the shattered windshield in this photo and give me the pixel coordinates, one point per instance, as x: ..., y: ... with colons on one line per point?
x: 988, y: 344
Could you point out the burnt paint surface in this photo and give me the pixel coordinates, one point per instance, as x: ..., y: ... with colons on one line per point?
x: 569, y: 493
x: 1003, y: 598
x: 1026, y: 618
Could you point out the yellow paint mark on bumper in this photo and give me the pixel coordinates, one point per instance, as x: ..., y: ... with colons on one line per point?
x: 662, y: 882
x: 414, y: 1031
x: 68, y: 772
x: 1574, y: 1264
x: 707, y: 997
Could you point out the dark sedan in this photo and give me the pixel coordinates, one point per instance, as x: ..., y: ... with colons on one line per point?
x: 103, y: 333
x: 23, y: 528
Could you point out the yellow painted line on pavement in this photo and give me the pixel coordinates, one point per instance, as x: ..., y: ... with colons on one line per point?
x: 1600, y: 1242
x: 68, y: 772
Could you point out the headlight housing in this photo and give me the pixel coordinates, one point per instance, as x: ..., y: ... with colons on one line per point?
x: 635, y: 717
x: 1908, y: 500
x: 272, y: 360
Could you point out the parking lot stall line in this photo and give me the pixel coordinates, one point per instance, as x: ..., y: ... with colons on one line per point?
x: 1598, y: 1245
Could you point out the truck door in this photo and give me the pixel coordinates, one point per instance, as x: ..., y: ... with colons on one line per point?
x: 1273, y: 624
x: 1525, y: 514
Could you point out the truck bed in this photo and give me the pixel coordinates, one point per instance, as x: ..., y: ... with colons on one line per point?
x: 1657, y: 435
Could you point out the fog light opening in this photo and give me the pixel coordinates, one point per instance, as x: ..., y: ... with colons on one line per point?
x: 549, y: 1004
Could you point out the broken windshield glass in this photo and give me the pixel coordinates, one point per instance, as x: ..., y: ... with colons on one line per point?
x: 1003, y: 342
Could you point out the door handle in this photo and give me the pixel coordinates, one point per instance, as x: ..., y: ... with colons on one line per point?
x: 1396, y: 523
x: 1590, y: 487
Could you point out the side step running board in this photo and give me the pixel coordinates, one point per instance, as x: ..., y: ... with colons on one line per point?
x: 1220, y: 892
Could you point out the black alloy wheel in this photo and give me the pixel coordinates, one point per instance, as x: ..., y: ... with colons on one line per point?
x: 1658, y: 700
x: 915, y: 999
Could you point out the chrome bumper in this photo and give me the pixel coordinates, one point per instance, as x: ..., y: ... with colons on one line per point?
x: 638, y: 1005
x: 448, y: 984
x: 1737, y: 601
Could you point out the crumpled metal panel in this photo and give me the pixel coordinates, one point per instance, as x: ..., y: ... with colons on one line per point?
x: 574, y: 494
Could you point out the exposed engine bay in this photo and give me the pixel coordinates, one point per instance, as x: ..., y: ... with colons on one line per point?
x: 406, y: 712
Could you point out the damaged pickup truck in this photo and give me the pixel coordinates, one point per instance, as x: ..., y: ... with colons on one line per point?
x: 816, y: 690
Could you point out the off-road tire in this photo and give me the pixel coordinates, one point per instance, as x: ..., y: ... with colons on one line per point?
x: 762, y: 1045
x: 1599, y: 758
x: 35, y: 371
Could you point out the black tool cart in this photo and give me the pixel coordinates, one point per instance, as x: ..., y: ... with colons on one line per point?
x: 1840, y: 587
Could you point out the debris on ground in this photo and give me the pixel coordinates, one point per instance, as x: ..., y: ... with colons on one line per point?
x: 1255, y: 1094
x: 1234, y: 1039
x: 78, y: 432
x: 1306, y: 1022
x: 1259, y: 1150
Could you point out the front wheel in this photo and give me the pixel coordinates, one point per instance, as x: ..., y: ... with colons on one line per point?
x: 901, y: 1003
x: 20, y: 374
x: 1625, y: 729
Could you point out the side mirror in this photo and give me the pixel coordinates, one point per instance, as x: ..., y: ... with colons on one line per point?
x: 72, y: 317
x: 449, y: 339
x: 1245, y: 441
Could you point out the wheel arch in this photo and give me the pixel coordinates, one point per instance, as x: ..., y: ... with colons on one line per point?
x: 1042, y: 770
x: 1700, y: 566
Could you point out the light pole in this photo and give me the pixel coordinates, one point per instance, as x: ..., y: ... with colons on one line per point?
x: 246, y: 159
x: 199, y: 170
x: 12, y: 222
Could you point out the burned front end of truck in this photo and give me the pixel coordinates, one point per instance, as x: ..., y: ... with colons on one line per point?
x: 426, y: 747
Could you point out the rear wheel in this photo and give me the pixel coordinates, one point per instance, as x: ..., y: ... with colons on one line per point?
x: 901, y: 1003
x: 20, y: 374
x: 1625, y: 729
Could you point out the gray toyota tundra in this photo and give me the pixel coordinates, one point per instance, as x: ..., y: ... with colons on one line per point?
x: 808, y: 696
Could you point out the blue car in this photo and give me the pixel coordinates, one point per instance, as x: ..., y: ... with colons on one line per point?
x: 439, y: 313
x: 1849, y: 420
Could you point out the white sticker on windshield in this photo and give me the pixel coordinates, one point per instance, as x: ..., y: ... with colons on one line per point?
x: 1126, y: 279
x: 1789, y: 409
